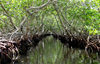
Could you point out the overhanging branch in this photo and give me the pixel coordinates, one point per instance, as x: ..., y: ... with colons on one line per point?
x: 2, y: 6
x: 39, y: 7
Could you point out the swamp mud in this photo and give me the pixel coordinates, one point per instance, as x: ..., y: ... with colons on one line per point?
x: 11, y: 51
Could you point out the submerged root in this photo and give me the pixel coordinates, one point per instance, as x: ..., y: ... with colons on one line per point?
x: 10, y: 50
x: 91, y: 47
x: 71, y: 42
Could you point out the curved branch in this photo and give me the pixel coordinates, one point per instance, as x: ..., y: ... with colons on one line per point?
x: 39, y: 7
x: 20, y: 28
x: 2, y: 6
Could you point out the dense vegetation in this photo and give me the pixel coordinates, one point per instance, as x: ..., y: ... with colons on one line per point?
x: 63, y: 17
x: 50, y: 15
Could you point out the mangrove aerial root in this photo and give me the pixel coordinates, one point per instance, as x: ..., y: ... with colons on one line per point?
x: 92, y: 46
x: 10, y: 50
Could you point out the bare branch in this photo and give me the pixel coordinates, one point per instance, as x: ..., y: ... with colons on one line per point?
x: 39, y: 7
x: 22, y: 23
x: 2, y: 6
x: 61, y: 21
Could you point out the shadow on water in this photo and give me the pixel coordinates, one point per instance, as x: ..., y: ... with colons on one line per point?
x: 51, y: 51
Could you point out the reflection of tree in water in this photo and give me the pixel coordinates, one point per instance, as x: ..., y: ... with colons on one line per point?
x: 24, y: 24
x: 10, y: 50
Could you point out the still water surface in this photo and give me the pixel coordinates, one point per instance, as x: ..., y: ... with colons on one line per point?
x: 50, y: 51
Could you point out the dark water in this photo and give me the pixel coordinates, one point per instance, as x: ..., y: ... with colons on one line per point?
x: 50, y: 51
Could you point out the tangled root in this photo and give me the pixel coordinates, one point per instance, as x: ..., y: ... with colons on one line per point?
x: 8, y: 51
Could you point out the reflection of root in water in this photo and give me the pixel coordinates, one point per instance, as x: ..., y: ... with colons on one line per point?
x: 48, y: 51
x: 81, y: 43
x: 9, y: 50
